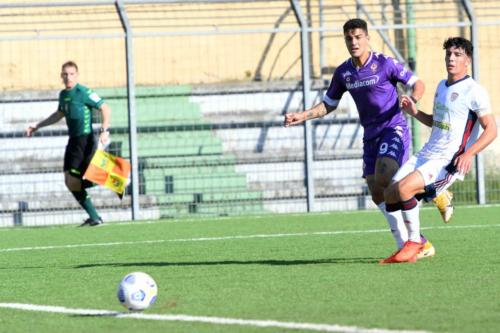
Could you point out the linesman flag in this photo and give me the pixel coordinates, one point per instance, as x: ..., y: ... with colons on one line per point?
x: 109, y: 171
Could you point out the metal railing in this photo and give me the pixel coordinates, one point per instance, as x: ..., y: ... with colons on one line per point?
x: 203, y: 86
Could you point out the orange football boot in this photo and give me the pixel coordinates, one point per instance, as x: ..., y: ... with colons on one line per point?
x: 409, y: 252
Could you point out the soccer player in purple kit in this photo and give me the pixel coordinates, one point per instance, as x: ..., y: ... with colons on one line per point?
x: 371, y: 80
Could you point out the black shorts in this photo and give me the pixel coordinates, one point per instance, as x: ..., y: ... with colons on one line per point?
x: 79, y: 153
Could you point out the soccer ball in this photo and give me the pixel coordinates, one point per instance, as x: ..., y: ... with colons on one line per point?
x: 137, y: 291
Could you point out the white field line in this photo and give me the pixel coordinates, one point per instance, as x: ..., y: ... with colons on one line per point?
x: 266, y: 216
x: 203, y: 239
x: 257, y: 217
x: 201, y: 319
x: 199, y: 239
x: 232, y: 219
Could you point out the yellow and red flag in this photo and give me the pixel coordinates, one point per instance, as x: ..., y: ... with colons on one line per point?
x: 109, y: 171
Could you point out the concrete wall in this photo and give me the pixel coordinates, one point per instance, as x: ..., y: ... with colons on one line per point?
x: 34, y: 64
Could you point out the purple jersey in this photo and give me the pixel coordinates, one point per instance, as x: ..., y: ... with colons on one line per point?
x: 373, y: 88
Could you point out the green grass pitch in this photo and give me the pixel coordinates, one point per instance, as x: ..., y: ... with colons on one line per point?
x: 304, y: 268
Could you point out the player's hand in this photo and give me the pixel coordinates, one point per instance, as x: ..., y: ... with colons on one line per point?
x: 30, y: 130
x: 104, y: 140
x: 408, y: 106
x: 295, y: 118
x: 463, y: 163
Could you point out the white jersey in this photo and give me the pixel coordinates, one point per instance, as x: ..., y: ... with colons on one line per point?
x: 454, y: 120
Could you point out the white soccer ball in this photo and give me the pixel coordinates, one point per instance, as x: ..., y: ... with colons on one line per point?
x: 137, y: 291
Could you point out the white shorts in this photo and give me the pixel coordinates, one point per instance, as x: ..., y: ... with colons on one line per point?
x: 433, y: 172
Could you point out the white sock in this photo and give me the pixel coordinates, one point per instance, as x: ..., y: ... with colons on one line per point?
x: 412, y: 221
x: 396, y: 224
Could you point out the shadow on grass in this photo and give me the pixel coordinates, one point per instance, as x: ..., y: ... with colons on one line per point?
x: 237, y: 262
x: 116, y: 314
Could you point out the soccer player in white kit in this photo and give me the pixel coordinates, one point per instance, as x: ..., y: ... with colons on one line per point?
x: 460, y: 106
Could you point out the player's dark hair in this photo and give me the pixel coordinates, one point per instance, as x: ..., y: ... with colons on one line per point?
x: 459, y: 43
x: 355, y: 23
x: 69, y: 64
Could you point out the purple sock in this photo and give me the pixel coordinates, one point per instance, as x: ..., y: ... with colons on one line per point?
x: 423, y: 240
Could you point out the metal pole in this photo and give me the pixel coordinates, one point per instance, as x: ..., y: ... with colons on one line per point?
x: 307, y: 100
x: 360, y: 7
x: 321, y: 39
x: 480, y: 179
x: 129, y: 51
x: 412, y: 59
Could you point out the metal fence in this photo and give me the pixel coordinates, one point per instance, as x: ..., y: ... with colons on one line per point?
x: 198, y: 91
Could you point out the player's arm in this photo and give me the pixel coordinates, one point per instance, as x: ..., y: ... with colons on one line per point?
x: 93, y: 100
x: 398, y: 73
x: 106, y: 118
x: 52, y: 119
x: 408, y: 105
x: 464, y: 162
x: 317, y: 111
x: 417, y: 90
x: 106, y: 115
x: 329, y: 103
